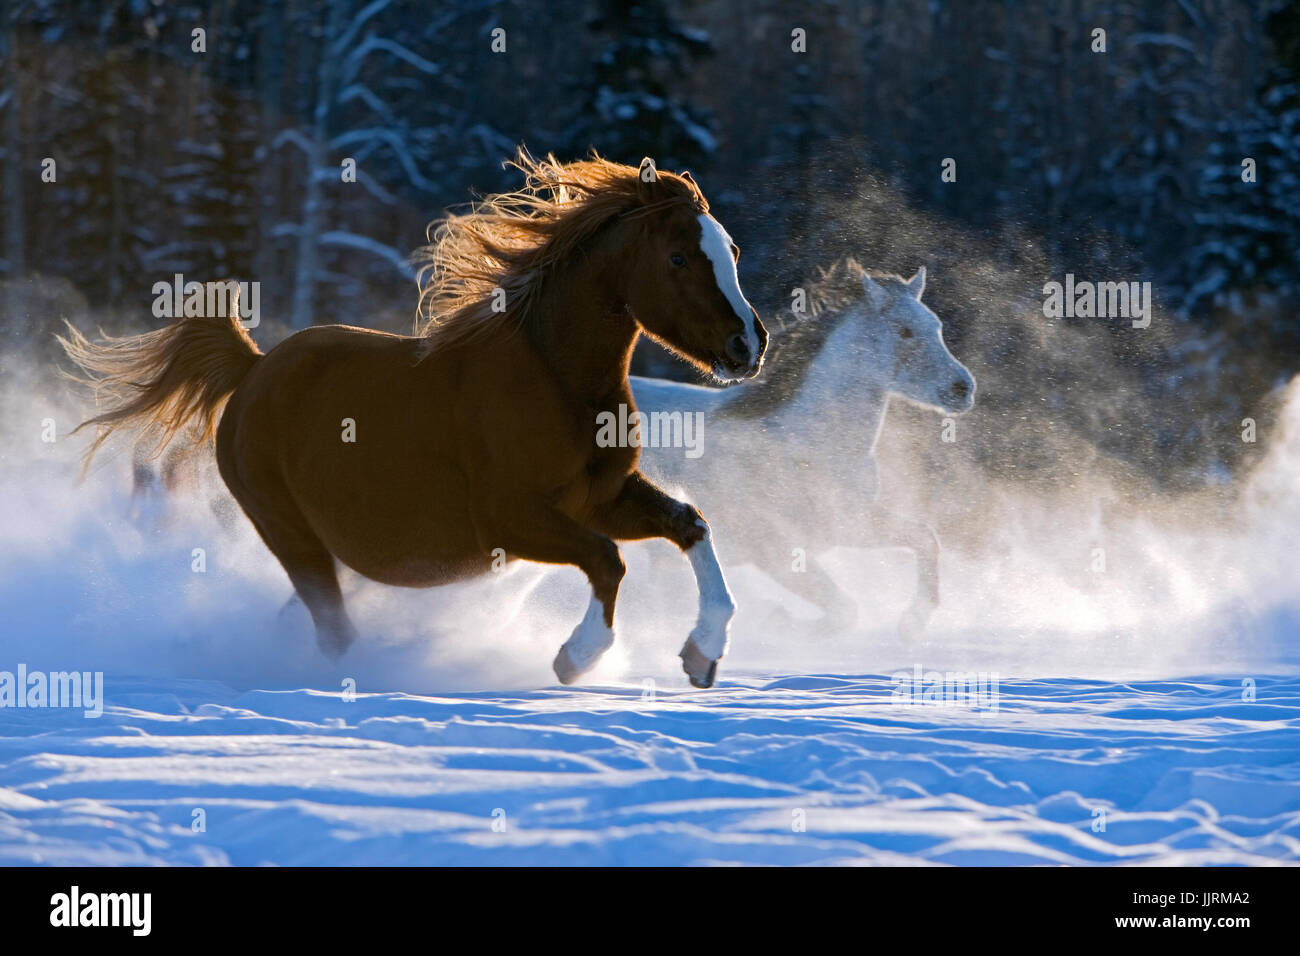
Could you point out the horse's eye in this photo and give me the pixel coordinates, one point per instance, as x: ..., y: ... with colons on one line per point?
x: 905, y: 333
x: 679, y: 260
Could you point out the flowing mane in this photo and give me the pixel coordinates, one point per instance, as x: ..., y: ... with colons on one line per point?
x: 506, y: 458
x: 513, y: 241
x: 793, y: 351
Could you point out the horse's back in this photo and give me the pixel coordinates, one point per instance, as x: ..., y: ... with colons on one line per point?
x: 322, y: 433
x: 303, y: 392
x: 407, y: 461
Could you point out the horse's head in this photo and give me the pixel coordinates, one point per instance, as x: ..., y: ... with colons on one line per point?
x: 683, y: 288
x: 905, y: 344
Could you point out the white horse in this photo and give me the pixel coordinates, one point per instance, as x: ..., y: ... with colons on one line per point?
x: 786, y: 467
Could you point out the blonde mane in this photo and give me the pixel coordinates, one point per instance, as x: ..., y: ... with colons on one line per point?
x: 513, y: 241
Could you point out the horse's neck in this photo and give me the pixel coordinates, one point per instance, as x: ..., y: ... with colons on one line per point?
x: 838, y: 401
x: 583, y: 336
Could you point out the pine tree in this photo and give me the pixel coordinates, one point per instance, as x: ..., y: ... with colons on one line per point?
x: 1251, y: 230
x: 633, y: 105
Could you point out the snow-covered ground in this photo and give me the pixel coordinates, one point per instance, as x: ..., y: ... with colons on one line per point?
x: 810, y: 769
x: 1151, y: 718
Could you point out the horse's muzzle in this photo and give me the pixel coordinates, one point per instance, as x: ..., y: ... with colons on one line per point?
x: 744, y: 356
x: 960, y: 395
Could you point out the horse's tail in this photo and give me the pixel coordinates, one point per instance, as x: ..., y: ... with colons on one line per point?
x: 175, y: 377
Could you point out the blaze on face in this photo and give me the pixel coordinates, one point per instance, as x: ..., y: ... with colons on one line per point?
x: 686, y: 295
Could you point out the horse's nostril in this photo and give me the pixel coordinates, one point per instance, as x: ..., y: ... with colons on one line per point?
x: 738, y: 350
x: 960, y: 388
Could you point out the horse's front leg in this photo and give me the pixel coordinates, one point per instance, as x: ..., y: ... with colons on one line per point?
x: 642, y: 510
x: 536, y: 532
x: 887, y: 529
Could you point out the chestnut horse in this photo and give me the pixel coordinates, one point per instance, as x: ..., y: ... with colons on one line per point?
x: 420, y: 460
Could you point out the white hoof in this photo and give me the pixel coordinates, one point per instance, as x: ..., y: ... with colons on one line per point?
x: 564, y: 668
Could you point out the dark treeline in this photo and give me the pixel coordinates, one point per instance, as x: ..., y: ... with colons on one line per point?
x: 817, y: 131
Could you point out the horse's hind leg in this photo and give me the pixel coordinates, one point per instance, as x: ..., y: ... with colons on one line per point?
x: 311, y: 569
x: 816, y: 586
x: 774, y: 548
x: 309, y: 565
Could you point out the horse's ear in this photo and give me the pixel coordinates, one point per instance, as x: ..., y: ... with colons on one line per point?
x: 877, y: 297
x: 230, y: 286
x: 916, y: 284
x: 647, y: 176
x: 686, y: 175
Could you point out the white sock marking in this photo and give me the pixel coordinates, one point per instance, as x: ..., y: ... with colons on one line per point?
x: 591, y: 638
x: 716, y: 603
